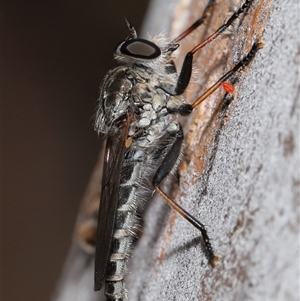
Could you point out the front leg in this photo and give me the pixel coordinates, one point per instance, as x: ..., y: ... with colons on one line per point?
x: 168, y: 163
x: 186, y: 109
x: 186, y: 69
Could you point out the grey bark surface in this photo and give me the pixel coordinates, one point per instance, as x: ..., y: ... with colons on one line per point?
x: 239, y: 177
x: 248, y: 193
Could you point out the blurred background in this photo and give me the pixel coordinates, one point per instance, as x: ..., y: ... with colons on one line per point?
x: 54, y: 56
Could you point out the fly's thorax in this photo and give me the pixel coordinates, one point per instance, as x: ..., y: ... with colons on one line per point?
x: 115, y: 93
x: 150, y: 101
x: 136, y: 89
x: 150, y: 89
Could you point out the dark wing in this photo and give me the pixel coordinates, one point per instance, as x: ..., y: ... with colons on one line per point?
x: 114, y: 153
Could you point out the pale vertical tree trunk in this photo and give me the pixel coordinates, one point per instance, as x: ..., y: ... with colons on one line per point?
x: 240, y: 173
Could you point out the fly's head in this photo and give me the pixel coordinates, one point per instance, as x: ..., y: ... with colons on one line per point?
x: 140, y: 51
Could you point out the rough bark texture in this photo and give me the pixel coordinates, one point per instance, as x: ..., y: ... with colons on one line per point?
x: 240, y: 175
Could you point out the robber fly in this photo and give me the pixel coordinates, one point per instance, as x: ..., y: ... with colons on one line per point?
x: 143, y: 141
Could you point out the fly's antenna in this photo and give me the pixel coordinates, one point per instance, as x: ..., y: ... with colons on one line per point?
x: 133, y: 34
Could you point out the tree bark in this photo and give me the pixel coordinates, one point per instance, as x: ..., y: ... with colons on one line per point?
x: 240, y: 173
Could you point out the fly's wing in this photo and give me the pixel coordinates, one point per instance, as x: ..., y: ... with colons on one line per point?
x: 115, y: 147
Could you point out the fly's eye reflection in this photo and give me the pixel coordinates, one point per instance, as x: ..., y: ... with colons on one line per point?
x: 139, y: 49
x: 144, y: 141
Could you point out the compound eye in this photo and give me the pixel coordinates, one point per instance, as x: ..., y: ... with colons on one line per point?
x: 139, y: 49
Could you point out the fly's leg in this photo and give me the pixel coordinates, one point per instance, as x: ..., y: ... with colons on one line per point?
x: 196, y: 24
x: 186, y: 70
x: 173, y: 154
x: 242, y: 63
x: 186, y: 109
x: 168, y: 163
x: 170, y: 65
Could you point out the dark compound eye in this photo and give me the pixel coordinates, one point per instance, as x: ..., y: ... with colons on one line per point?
x: 139, y: 49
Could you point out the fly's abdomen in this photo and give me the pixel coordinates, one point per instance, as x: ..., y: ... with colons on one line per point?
x: 127, y: 225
